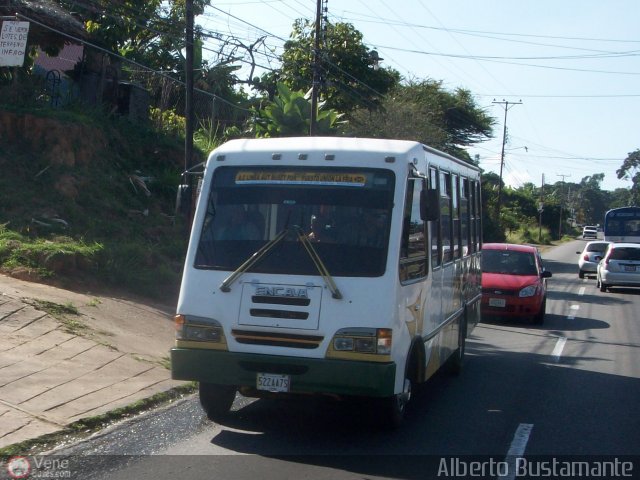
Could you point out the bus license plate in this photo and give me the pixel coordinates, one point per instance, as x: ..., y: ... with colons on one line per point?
x: 497, y: 302
x: 272, y: 382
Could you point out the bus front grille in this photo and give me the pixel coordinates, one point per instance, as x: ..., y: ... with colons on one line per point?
x: 276, y: 339
x: 280, y: 306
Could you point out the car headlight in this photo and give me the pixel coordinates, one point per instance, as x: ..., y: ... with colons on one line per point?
x: 529, y: 291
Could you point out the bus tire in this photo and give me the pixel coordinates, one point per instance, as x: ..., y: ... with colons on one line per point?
x: 391, y: 410
x: 456, y: 361
x: 216, y: 400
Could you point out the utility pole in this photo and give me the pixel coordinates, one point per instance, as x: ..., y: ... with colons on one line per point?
x: 540, y: 210
x: 188, y: 110
x: 315, y: 86
x: 506, y: 104
x: 560, y: 196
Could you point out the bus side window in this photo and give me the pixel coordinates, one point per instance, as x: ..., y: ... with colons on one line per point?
x: 445, y: 217
x: 436, y: 241
x: 413, y: 251
x: 464, y: 217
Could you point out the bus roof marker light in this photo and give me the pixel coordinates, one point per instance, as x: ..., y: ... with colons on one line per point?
x: 389, y: 159
x: 276, y: 156
x: 329, y: 156
x: 221, y: 158
x: 302, y: 156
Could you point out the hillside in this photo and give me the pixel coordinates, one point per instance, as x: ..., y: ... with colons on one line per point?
x: 89, y: 200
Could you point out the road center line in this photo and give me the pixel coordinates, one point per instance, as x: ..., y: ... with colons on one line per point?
x: 517, y: 448
x: 557, y: 351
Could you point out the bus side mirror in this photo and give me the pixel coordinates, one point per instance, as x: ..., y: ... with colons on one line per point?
x: 183, y: 200
x: 429, y: 210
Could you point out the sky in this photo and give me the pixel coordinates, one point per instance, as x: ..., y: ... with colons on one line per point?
x: 567, y: 72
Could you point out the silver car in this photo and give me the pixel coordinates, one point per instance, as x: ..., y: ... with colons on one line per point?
x: 590, y: 232
x: 620, y: 266
x: 590, y: 257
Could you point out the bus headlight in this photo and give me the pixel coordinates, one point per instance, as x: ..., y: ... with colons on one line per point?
x: 198, y: 329
x: 363, y: 340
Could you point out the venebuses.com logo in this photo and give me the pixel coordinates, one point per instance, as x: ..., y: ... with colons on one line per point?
x: 37, y: 467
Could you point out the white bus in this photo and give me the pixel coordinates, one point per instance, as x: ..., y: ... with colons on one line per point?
x: 337, y: 266
x: 622, y: 225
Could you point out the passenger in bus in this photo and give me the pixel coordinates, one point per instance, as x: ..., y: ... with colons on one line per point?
x: 238, y: 225
x: 372, y: 230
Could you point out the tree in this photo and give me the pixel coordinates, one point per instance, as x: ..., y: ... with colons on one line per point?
x: 289, y: 114
x: 350, y: 76
x: 150, y: 32
x: 491, y: 230
x: 424, y: 111
x: 631, y: 169
x: 591, y: 202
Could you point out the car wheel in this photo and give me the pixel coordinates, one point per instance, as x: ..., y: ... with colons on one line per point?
x: 581, y: 274
x: 603, y: 287
x: 539, y: 318
x: 216, y: 400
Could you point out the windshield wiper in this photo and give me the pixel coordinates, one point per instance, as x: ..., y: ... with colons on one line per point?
x: 260, y: 254
x: 252, y: 260
x: 322, y: 269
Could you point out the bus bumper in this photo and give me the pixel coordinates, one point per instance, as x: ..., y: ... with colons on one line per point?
x: 308, y: 375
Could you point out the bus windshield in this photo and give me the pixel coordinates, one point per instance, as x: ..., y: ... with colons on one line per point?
x: 622, y: 224
x: 344, y: 212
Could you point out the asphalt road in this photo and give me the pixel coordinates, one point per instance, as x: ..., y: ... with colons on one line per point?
x: 569, y: 387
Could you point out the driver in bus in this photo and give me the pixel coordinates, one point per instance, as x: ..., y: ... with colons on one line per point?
x: 238, y: 225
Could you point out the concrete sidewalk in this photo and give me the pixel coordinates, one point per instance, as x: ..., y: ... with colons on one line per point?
x: 56, y: 369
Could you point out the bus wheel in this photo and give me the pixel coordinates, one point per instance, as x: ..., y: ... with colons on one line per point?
x: 216, y: 400
x: 392, y: 409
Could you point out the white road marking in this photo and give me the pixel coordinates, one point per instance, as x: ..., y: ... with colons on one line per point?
x: 575, y: 309
x: 517, y: 448
x: 557, y: 351
x: 581, y: 291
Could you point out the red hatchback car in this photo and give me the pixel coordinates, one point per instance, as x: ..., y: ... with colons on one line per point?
x: 514, y: 282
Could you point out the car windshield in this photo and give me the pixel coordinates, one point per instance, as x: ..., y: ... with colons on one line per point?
x: 625, y: 253
x: 597, y: 247
x: 508, y: 262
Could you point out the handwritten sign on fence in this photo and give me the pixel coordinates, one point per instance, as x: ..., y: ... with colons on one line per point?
x: 13, y: 43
